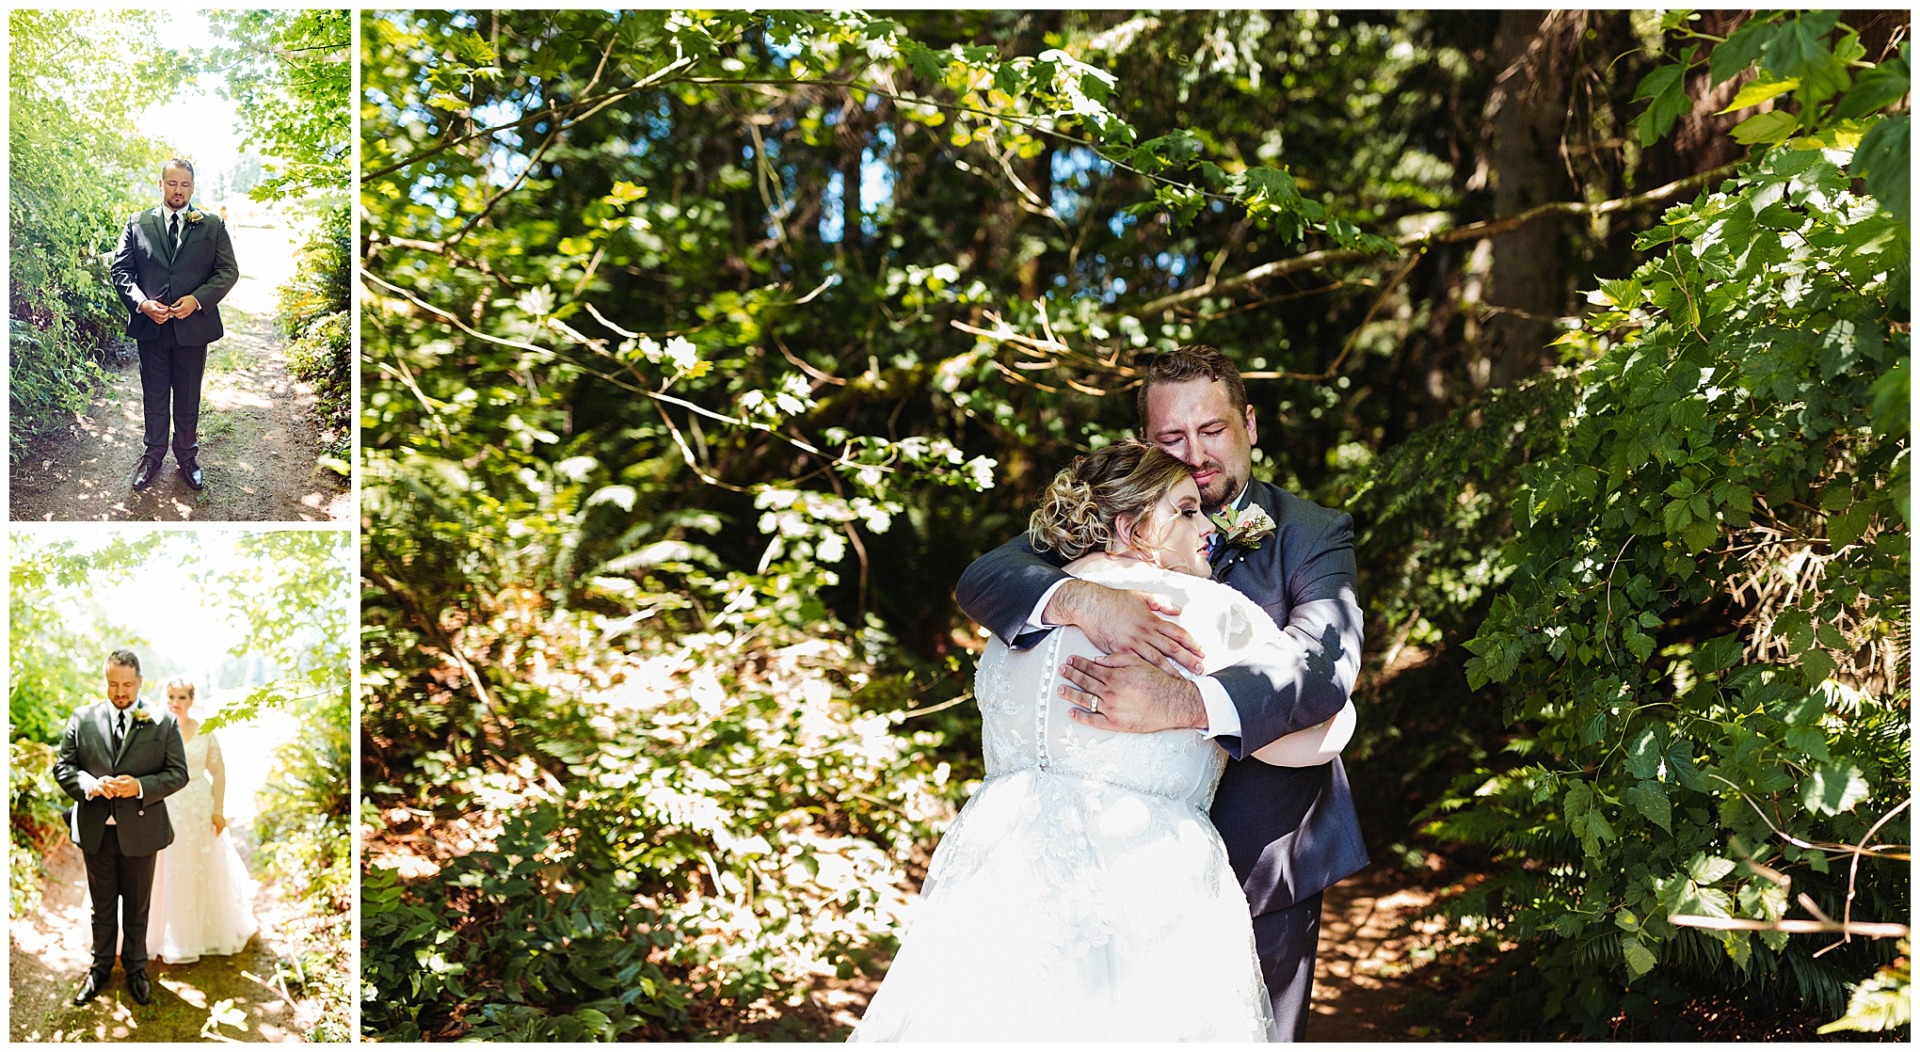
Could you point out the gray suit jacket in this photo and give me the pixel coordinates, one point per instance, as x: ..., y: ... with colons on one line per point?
x: 152, y: 752
x: 1290, y: 831
x: 202, y: 267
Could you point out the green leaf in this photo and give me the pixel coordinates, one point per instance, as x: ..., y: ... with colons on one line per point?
x: 1650, y: 799
x: 1800, y: 46
x: 1708, y: 869
x: 1809, y: 740
x: 1640, y: 960
x: 1759, y: 90
x: 1883, y: 160
x: 1875, y: 90
x: 1732, y: 56
x: 1834, y: 788
x: 1666, y: 88
x: 1718, y: 654
x: 1768, y: 128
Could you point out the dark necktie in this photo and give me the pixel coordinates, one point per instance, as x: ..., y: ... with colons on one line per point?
x: 173, y: 234
x: 119, y: 732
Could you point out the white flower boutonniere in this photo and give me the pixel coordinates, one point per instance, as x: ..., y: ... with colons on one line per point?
x: 194, y: 215
x: 1244, y: 529
x: 141, y: 715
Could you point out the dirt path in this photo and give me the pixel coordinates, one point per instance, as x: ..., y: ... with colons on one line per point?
x: 48, y: 951
x: 258, y: 432
x: 1367, y: 979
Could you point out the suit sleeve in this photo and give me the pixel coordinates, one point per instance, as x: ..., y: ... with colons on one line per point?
x: 124, y: 272
x: 1002, y: 587
x: 172, y: 776
x: 1307, y: 678
x: 74, y: 780
x: 226, y: 273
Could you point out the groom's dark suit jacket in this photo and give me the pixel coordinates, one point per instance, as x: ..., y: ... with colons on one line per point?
x: 202, y: 267
x: 151, y: 752
x: 1290, y: 831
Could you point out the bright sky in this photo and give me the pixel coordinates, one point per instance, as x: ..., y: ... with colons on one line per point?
x: 196, y: 122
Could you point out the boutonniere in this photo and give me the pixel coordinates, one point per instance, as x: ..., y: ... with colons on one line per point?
x: 1244, y: 529
x: 141, y: 716
x: 194, y: 215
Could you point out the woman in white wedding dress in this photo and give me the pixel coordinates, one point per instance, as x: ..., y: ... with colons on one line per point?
x: 202, y: 896
x: 1082, y: 894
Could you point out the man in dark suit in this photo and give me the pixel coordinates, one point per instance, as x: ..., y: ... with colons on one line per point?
x: 119, y: 759
x: 173, y: 267
x: 1290, y: 831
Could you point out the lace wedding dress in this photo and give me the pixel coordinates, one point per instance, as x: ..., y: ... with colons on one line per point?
x: 202, y: 896
x: 1082, y: 894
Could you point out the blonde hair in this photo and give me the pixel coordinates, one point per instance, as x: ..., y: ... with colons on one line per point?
x: 1078, y: 512
x: 180, y: 681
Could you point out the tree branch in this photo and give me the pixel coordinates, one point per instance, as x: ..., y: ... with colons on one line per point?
x: 1470, y: 232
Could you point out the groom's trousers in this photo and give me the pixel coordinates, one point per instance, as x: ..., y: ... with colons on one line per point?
x: 170, y: 376
x: 121, y: 887
x: 1287, y: 940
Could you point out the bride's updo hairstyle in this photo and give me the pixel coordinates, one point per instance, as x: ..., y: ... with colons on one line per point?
x: 1078, y: 511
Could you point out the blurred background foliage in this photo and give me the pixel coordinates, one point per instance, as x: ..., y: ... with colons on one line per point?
x: 285, y: 597
x: 702, y: 351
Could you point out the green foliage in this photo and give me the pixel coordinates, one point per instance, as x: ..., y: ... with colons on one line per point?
x: 292, y: 75
x: 314, y: 313
x: 306, y: 840
x: 1702, y: 633
x: 77, y: 168
x: 642, y: 830
x: 36, y: 820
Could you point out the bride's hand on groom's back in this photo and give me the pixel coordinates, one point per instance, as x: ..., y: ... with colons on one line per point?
x: 1118, y: 620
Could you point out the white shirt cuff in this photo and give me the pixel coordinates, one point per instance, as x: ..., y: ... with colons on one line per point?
x: 1222, y: 717
x: 1035, y: 622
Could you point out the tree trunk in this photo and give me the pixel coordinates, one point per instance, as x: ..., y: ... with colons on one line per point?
x: 1528, y: 111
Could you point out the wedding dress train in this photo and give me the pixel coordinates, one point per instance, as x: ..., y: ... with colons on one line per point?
x: 1082, y: 894
x: 202, y: 896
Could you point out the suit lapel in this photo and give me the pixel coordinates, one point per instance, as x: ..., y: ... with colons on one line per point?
x: 103, y: 726
x: 157, y: 231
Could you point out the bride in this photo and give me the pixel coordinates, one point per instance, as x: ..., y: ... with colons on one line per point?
x: 202, y: 896
x: 1082, y: 894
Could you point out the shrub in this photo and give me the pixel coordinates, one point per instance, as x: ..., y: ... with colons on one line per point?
x: 1703, y: 638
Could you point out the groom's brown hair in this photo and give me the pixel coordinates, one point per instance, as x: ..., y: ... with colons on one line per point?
x: 1192, y: 362
x: 125, y: 659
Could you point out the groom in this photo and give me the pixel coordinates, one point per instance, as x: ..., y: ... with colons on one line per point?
x: 174, y: 265
x: 1290, y: 831
x: 119, y: 759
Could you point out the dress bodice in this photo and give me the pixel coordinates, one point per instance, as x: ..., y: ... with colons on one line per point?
x: 196, y: 797
x: 1024, y: 721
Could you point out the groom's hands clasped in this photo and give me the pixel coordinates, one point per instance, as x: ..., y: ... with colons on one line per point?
x: 117, y: 786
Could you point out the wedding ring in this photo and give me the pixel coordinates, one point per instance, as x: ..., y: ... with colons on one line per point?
x: 1093, y: 704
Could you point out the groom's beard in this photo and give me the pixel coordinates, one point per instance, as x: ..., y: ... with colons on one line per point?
x: 1223, y: 487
